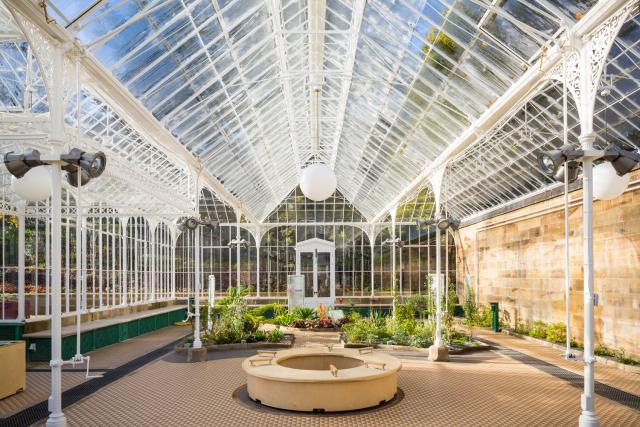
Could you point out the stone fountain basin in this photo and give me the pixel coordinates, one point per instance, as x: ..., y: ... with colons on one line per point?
x: 301, y: 380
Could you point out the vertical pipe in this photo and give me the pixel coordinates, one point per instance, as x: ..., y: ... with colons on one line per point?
x: 257, y: 268
x: 21, y: 249
x: 238, y: 250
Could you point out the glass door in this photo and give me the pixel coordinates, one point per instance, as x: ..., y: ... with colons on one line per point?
x: 315, y: 260
x: 323, y: 274
x: 307, y: 270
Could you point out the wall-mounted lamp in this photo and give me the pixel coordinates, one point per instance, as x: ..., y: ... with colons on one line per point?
x: 235, y: 242
x: 192, y: 223
x: 442, y: 223
x: 394, y: 242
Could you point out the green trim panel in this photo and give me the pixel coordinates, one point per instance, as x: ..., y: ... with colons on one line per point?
x: 97, y: 338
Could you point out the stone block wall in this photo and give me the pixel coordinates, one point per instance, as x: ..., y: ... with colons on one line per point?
x: 517, y: 259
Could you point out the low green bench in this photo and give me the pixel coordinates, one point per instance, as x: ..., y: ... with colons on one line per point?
x: 101, y: 333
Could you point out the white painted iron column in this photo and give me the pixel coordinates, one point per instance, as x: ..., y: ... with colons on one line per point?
x: 21, y: 249
x: 56, y: 418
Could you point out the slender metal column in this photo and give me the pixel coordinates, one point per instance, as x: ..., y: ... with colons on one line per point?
x: 21, y: 249
x: 56, y: 418
x: 173, y: 269
x: 153, y: 266
x: 124, y: 299
x: 438, y: 338
x: 67, y: 272
x: 588, y: 416
x: 79, y: 307
x: 198, y: 278
x: 100, y: 262
x: 257, y: 268
x: 238, y: 249
x: 47, y: 265
x: 83, y: 253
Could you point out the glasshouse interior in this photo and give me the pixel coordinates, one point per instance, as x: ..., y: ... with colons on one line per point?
x: 320, y: 212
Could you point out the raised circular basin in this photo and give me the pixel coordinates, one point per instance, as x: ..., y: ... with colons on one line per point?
x: 322, y: 380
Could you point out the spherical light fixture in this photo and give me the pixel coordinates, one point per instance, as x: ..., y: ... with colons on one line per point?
x: 34, y: 186
x: 318, y: 182
x: 607, y: 184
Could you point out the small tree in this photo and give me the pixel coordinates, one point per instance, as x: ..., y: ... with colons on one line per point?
x: 471, y: 311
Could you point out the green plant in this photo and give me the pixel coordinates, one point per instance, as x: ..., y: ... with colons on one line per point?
x: 259, y: 336
x: 276, y: 335
x: 556, y: 332
x: 285, y: 319
x: 422, y: 335
x: 538, y: 330
x: 522, y: 328
x: 602, y: 350
x: 303, y: 313
x: 269, y: 311
x: 419, y: 304
x: 471, y: 312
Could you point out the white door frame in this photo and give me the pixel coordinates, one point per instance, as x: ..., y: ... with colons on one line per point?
x: 314, y: 246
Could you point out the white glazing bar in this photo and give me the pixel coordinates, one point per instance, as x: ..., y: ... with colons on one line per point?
x: 136, y: 268
x: 35, y: 267
x: 67, y: 269
x: 124, y: 298
x: 47, y: 265
x: 100, y: 303
x: 113, y: 261
x: 21, y: 266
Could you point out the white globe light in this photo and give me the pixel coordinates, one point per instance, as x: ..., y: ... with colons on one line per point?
x: 34, y: 186
x: 607, y: 184
x: 318, y: 182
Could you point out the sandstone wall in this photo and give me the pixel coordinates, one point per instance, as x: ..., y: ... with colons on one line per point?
x: 519, y: 257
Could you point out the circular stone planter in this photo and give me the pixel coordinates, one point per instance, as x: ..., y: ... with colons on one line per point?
x: 322, y: 380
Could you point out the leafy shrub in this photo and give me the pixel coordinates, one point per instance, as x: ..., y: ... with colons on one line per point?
x: 270, y: 311
x: 369, y: 330
x: 422, y: 335
x: 276, y: 335
x: 405, y: 312
x: 556, y: 332
x: 522, y: 328
x: 399, y: 330
x: 419, y: 304
x: 259, y: 336
x: 538, y: 330
x: 232, y: 321
x: 303, y: 313
x: 486, y: 318
x: 601, y: 350
x: 285, y: 319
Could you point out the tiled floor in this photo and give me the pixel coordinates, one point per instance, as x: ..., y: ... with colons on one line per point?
x: 38, y: 376
x: 491, y: 387
x: 478, y: 389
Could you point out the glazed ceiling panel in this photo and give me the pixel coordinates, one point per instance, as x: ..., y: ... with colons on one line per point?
x: 256, y: 88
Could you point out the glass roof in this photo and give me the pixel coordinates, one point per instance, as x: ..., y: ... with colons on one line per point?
x: 377, y: 89
x: 234, y: 81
